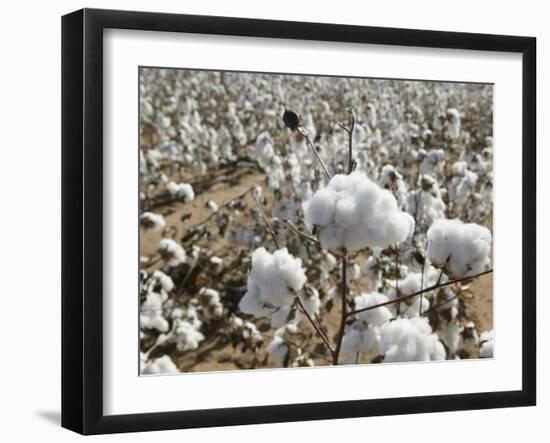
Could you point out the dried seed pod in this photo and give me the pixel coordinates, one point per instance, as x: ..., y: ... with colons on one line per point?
x: 291, y: 120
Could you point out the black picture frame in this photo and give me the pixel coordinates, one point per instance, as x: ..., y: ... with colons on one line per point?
x: 82, y: 218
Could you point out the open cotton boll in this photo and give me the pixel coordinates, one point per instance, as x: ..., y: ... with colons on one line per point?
x: 164, y: 280
x: 311, y: 300
x: 161, y: 365
x: 150, y: 220
x: 217, y: 264
x: 410, y: 340
x: 172, y: 252
x: 186, y: 336
x: 354, y: 212
x: 359, y: 340
x: 212, y: 307
x: 151, y: 313
x: 486, y: 340
x: 183, y: 191
x: 453, y: 123
x: 426, y: 203
x: 278, y: 349
x: 460, y: 249
x: 377, y: 316
x: 413, y: 309
x: 280, y: 317
x: 273, y: 282
x: 450, y: 334
x: 468, y: 338
x: 264, y: 149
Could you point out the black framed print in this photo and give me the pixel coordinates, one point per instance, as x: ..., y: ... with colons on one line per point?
x: 271, y: 221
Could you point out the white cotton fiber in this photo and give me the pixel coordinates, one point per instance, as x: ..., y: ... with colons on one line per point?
x: 182, y: 191
x: 172, y: 252
x: 360, y: 340
x: 150, y: 220
x: 187, y: 336
x: 486, y: 340
x: 273, y: 282
x: 410, y: 340
x: 161, y: 365
x: 151, y: 315
x: 377, y: 316
x: 354, y: 212
x: 459, y: 248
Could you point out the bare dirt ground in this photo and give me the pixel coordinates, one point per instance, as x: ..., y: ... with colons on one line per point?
x: 216, y: 352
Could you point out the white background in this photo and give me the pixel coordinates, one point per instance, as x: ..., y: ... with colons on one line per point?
x: 30, y: 220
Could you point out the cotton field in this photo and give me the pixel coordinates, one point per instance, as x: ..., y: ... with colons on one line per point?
x: 297, y: 221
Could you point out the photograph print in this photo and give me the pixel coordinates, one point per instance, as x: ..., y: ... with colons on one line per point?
x: 294, y: 221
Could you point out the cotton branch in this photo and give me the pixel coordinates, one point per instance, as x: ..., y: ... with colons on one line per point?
x: 317, y: 329
x: 349, y: 130
x: 344, y: 309
x: 269, y: 227
x: 414, y: 294
x: 306, y: 236
x: 311, y: 146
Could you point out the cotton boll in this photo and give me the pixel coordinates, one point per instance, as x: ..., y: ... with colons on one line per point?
x: 212, y: 307
x: 359, y: 339
x: 150, y: 220
x: 187, y: 336
x: 273, y: 282
x: 280, y: 317
x: 450, y: 334
x: 264, y: 150
x: 171, y: 252
x: 182, y: 191
x: 453, y: 124
x: 410, y: 340
x: 377, y: 316
x: 352, y: 344
x: 354, y: 212
x: 468, y: 338
x: 164, y: 280
x: 151, y: 313
x: 311, y: 301
x: 413, y: 310
x: 161, y: 365
x: 278, y: 349
x: 460, y: 249
x: 319, y: 209
x: 212, y: 206
x: 217, y: 264
x: 486, y: 341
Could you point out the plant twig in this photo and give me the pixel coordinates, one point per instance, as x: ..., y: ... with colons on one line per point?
x: 317, y: 329
x: 269, y: 227
x: 414, y: 294
x: 439, y: 305
x: 311, y: 146
x: 344, y: 314
x: 307, y: 236
x: 349, y: 130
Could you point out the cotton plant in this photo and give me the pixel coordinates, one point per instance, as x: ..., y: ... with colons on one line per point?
x: 351, y: 213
